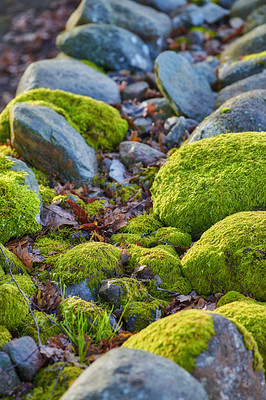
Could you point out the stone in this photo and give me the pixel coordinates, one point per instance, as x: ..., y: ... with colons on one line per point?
x: 251, y: 42
x: 188, y: 17
x: 253, y: 82
x: 173, y: 72
x: 71, y: 76
x: 213, y: 13
x: 117, y: 171
x: 211, y: 348
x: 131, y: 153
x: 203, y: 182
x: 24, y: 353
x: 8, y: 376
x: 139, y: 314
x: 243, y: 113
x: 135, y: 374
x: 108, y: 46
x: 135, y: 91
x: 81, y: 290
x: 162, y: 5
x: 232, y: 72
x: 57, y: 145
x: 178, y: 134
x: 226, y: 3
x: 206, y: 71
x: 256, y: 18
x: 162, y: 107
x: 196, y: 37
x: 243, y: 8
x: 150, y: 25
x: 143, y: 125
x: 227, y: 255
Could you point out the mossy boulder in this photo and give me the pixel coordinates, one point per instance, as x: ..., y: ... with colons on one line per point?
x: 206, y: 181
x: 13, y: 307
x: 232, y: 296
x: 91, y: 262
x: 143, y: 223
x: 229, y: 256
x: 24, y: 281
x: 19, y: 206
x: 47, y: 328
x: 5, y: 336
x: 139, y: 314
x: 17, y: 265
x: 252, y: 316
x: 99, y: 124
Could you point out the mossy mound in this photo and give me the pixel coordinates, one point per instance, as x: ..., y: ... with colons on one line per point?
x: 205, y: 181
x: 124, y: 192
x: 24, y: 281
x: 232, y: 296
x: 19, y: 206
x: 46, y: 327
x: 180, y: 337
x: 47, y: 194
x: 133, y: 238
x: 139, y: 314
x: 143, y: 223
x: 99, y: 124
x: 13, y: 307
x: 5, y: 336
x: 52, y: 382
x: 229, y: 256
x: 93, y: 260
x: 17, y: 266
x: 163, y: 261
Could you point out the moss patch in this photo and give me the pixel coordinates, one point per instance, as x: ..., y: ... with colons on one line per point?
x: 13, y: 307
x: 24, y: 281
x: 5, y: 336
x: 16, y: 265
x: 139, y: 314
x: 46, y: 327
x: 99, y: 124
x: 180, y: 337
x: 229, y: 256
x: 205, y: 181
x: 231, y: 296
x: 143, y: 223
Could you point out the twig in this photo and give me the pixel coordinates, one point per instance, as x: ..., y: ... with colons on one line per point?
x: 58, y: 377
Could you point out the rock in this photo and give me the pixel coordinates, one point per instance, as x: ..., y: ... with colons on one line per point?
x: 135, y: 374
x: 232, y: 72
x: 24, y: 353
x: 57, y: 145
x: 164, y: 6
x: 143, y: 125
x: 236, y: 22
x: 251, y: 42
x: 242, y: 113
x: 195, y: 187
x: 206, y: 71
x: 108, y: 46
x: 243, y: 8
x: 135, y: 91
x: 162, y: 107
x: 196, y: 37
x: 177, y: 134
x: 117, y: 171
x: 227, y: 255
x: 188, y: 17
x: 208, y: 347
x: 131, y: 153
x: 8, y: 376
x: 226, y: 3
x: 253, y: 82
x: 139, y: 314
x: 13, y: 307
x: 256, y: 18
x: 81, y: 290
x: 173, y: 74
x: 213, y: 13
x: 148, y: 24
x: 69, y: 75
x: 252, y: 316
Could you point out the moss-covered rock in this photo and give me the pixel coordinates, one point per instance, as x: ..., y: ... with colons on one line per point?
x: 24, y: 281
x: 139, y: 314
x: 229, y: 256
x: 13, y: 307
x: 133, y: 238
x: 5, y: 336
x: 17, y: 265
x: 100, y: 124
x: 46, y: 327
x: 91, y: 261
x: 143, y: 223
x: 206, y: 181
x: 19, y: 206
x: 232, y: 296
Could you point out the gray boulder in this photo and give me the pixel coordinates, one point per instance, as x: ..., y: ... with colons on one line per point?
x: 213, y: 13
x: 256, y: 18
x: 134, y: 375
x: 243, y: 113
x: 187, y: 17
x: 8, y: 376
x: 252, y: 42
x: 150, y: 25
x: 72, y: 76
x: 108, y: 46
x: 131, y: 153
x: 243, y: 8
x: 46, y: 140
x: 162, y: 5
x: 188, y: 92
x: 253, y: 82
x: 206, y: 71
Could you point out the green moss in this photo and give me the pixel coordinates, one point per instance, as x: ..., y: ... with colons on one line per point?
x: 139, y: 314
x: 229, y: 256
x: 6, y: 150
x: 24, y: 281
x: 52, y: 247
x: 46, y: 327
x: 231, y: 296
x: 13, y: 307
x: 205, y: 181
x: 93, y: 65
x: 133, y: 238
x: 203, y: 30
x: 173, y: 236
x: 254, y: 56
x: 5, y: 336
x: 162, y: 263
x: 16, y: 265
x: 225, y: 110
x: 46, y: 383
x: 100, y: 124
x: 147, y: 176
x: 143, y: 223
x: 124, y: 192
x: 92, y: 209
x: 42, y: 177
x: 252, y: 316
x: 93, y: 260
x: 181, y: 337
x: 47, y: 194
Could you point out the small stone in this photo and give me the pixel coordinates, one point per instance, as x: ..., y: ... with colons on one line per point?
x: 135, y: 91
x: 188, y: 17
x: 178, y: 134
x: 131, y: 153
x: 117, y: 171
x: 143, y: 125
x: 213, y: 13
x: 162, y: 106
x: 8, y: 376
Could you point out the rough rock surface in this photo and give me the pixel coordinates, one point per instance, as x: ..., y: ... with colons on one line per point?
x: 56, y: 144
x: 243, y: 8
x: 256, y: 18
x: 71, y: 76
x: 8, y: 376
x: 162, y: 5
x: 135, y: 374
x: 132, y: 152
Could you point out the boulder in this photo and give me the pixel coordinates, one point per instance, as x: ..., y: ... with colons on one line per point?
x: 173, y: 72
x: 243, y: 113
x: 229, y: 256
x: 8, y: 376
x: 139, y: 314
x: 203, y: 182
x: 135, y: 374
x: 243, y: 8
x: 47, y: 141
x: 13, y: 307
x: 150, y: 25
x: 213, y: 13
x: 256, y: 18
x: 71, y: 76
x: 108, y: 46
x: 131, y: 153
x: 210, y: 347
